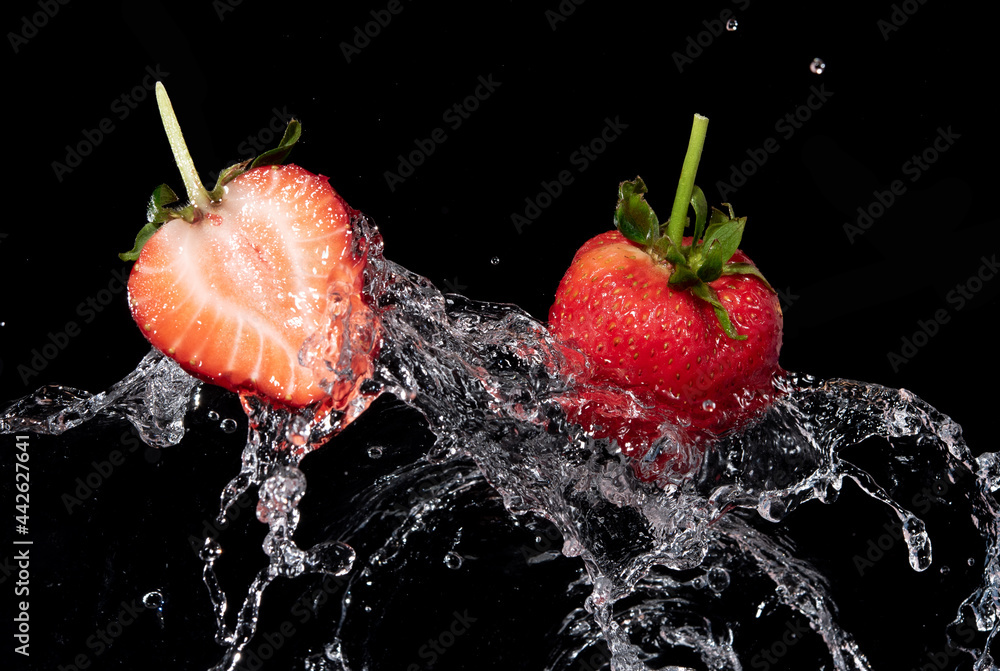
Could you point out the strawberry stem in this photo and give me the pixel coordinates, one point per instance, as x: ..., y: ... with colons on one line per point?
x: 196, y: 191
x: 685, y: 186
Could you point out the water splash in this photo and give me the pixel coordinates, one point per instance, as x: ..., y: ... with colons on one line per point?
x: 656, y: 560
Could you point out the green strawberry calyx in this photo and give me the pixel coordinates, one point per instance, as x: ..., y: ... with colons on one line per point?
x: 163, y: 204
x: 706, y: 257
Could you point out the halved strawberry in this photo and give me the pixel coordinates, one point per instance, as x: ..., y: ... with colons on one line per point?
x: 257, y: 285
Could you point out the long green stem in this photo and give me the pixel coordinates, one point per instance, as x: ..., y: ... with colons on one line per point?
x: 196, y: 191
x: 682, y: 199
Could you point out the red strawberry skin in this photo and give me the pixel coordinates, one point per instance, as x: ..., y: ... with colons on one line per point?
x: 261, y: 290
x: 664, y: 345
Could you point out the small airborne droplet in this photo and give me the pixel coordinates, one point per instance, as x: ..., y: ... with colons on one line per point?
x: 453, y: 560
x: 375, y: 452
x: 228, y: 425
x: 817, y: 66
x: 153, y: 600
x: 495, y: 260
x: 718, y: 579
x: 211, y: 550
x: 732, y: 24
x: 213, y: 415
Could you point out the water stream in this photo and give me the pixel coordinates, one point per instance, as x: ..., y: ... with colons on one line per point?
x: 668, y: 575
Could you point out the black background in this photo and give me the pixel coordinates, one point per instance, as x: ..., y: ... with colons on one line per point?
x: 848, y: 304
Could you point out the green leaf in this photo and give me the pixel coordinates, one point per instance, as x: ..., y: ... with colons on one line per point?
x: 721, y: 242
x: 634, y: 218
x: 700, y: 205
x: 707, y: 294
x: 665, y: 249
x: 145, y: 233
x: 720, y: 217
x: 717, y: 219
x: 682, y: 275
x: 157, y: 210
x: 278, y: 155
x: 746, y: 269
x: 226, y: 176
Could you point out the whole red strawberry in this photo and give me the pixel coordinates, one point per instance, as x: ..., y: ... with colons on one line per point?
x: 256, y: 286
x: 685, y: 329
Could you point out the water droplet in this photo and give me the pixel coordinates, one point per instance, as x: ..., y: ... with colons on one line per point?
x: 213, y: 415
x: 732, y: 24
x: 817, y: 66
x: 299, y: 431
x: 453, y: 560
x: 572, y: 548
x: 333, y: 652
x: 281, y: 493
x: 718, y: 578
x: 708, y: 405
x: 495, y: 260
x: 915, y: 535
x: 333, y: 558
x: 153, y: 600
x: 228, y: 425
x: 375, y: 451
x: 971, y: 562
x: 945, y: 570
x: 772, y: 508
x: 210, y: 551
